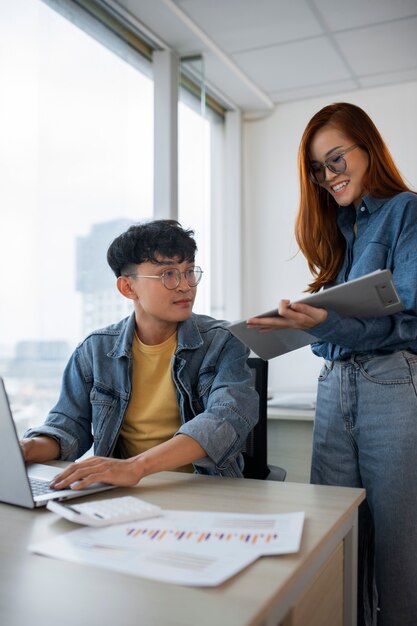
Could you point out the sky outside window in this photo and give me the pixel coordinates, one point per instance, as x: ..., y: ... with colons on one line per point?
x: 76, y: 149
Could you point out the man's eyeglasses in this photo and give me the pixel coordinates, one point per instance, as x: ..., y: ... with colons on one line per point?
x: 335, y: 163
x: 172, y: 278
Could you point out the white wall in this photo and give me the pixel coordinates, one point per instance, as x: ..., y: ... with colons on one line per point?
x: 271, y: 269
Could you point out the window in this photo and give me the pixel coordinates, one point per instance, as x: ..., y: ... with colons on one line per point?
x: 194, y: 190
x: 200, y: 155
x: 76, y: 156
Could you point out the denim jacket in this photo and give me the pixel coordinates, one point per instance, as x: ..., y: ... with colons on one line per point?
x: 217, y: 405
x: 386, y: 237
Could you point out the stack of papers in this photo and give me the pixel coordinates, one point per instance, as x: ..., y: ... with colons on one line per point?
x: 182, y: 547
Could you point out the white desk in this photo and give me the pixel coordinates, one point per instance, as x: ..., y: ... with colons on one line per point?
x: 319, y: 581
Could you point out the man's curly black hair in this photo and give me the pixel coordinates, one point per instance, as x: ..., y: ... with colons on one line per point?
x: 145, y: 242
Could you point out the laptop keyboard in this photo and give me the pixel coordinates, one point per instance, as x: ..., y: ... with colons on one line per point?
x: 40, y: 487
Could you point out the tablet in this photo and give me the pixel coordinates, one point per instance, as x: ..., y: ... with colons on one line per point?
x: 372, y: 295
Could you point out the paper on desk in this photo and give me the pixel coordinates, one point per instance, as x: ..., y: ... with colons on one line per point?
x: 183, y: 547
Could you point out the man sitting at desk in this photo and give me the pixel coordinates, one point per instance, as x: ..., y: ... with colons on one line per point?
x: 162, y: 389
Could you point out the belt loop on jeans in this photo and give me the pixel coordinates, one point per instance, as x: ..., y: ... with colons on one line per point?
x: 348, y: 360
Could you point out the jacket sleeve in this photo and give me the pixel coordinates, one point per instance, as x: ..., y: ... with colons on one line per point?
x: 229, y: 408
x: 69, y: 422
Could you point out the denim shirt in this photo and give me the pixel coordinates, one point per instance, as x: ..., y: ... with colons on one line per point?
x: 386, y: 237
x: 217, y: 405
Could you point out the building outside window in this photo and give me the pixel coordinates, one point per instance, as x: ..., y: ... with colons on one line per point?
x: 77, y: 168
x: 76, y: 155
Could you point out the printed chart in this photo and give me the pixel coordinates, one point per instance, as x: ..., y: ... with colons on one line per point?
x: 196, y: 536
x: 183, y: 547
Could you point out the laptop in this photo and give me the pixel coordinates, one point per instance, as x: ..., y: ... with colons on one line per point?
x: 28, y: 485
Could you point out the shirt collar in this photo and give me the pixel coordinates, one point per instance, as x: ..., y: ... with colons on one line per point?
x: 347, y: 215
x: 189, y: 337
x: 371, y: 203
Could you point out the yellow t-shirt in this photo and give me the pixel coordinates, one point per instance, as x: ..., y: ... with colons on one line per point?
x: 152, y: 415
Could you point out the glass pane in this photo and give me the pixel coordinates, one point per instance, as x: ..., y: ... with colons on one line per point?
x: 76, y: 157
x: 194, y: 190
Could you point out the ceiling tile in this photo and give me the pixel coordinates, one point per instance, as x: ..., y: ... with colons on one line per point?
x: 358, y: 13
x: 293, y: 65
x: 383, y: 48
x: 388, y: 78
x: 237, y: 25
x: 280, y: 45
x: 313, y: 91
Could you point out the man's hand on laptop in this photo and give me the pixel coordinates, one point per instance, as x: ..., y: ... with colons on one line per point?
x: 176, y: 452
x: 120, y: 472
x: 40, y: 449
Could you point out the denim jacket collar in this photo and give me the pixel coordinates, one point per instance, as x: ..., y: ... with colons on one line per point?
x: 124, y: 340
x: 189, y: 337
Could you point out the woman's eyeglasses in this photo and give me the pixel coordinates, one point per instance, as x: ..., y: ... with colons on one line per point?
x: 335, y: 164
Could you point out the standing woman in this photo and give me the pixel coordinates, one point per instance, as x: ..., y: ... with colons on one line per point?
x: 357, y: 215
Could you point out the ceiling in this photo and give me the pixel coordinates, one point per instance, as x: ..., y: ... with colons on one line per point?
x: 259, y: 53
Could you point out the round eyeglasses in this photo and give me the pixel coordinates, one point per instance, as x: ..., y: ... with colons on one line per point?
x: 335, y: 164
x: 172, y: 278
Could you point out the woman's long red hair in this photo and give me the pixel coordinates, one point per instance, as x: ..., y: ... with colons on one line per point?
x: 316, y: 229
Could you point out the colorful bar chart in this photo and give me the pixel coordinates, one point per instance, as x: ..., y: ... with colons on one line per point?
x: 193, y: 536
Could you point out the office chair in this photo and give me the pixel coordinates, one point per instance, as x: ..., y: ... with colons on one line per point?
x: 256, y: 453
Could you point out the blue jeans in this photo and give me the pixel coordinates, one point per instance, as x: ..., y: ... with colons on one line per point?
x: 365, y: 435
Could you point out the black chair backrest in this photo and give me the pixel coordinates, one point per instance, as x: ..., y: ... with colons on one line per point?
x: 256, y: 453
